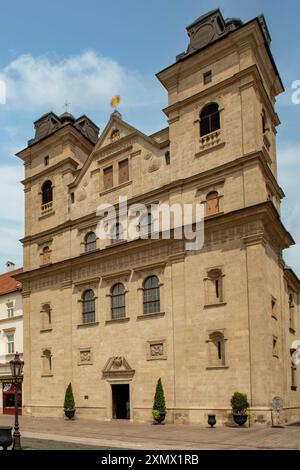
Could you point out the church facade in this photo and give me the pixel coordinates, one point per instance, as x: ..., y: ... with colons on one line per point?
x: 114, y: 316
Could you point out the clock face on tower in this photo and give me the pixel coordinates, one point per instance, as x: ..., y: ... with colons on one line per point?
x: 202, y: 36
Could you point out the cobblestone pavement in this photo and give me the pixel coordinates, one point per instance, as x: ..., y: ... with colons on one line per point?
x: 127, y: 435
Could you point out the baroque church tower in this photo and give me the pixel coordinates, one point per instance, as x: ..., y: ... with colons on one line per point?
x: 112, y: 316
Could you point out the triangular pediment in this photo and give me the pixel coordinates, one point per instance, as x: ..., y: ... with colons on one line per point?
x: 110, y: 142
x: 116, y: 367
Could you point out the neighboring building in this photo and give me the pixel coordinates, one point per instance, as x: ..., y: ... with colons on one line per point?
x: 114, y: 317
x: 11, y: 334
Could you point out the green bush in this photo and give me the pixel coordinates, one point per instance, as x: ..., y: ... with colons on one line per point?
x: 239, y: 402
x: 69, y: 403
x: 159, y: 403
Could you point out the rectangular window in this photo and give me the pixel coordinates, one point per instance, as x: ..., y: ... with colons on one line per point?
x: 10, y: 344
x: 207, y: 77
x: 123, y: 171
x: 108, y: 177
x: 10, y: 309
x: 46, y: 160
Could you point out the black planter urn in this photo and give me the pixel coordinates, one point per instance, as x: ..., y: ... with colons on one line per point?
x: 69, y: 414
x: 5, y: 437
x: 212, y: 420
x: 162, y: 416
x: 239, y: 419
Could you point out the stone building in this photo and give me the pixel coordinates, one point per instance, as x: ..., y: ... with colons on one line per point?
x: 11, y: 335
x: 112, y: 316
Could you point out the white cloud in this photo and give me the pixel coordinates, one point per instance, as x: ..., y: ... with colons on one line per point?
x: 11, y: 195
x: 87, y: 81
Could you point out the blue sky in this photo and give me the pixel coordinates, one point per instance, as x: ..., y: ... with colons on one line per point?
x: 85, y: 52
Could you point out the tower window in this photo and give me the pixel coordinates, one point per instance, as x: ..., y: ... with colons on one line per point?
x: 209, y: 119
x: 207, y: 77
x: 47, y: 192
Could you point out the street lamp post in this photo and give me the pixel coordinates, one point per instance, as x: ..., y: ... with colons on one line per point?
x: 16, y: 367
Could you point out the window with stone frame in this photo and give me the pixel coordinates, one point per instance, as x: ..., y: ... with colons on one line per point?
x: 292, y: 312
x: 275, y: 347
x: 117, y: 233
x: 118, y: 305
x: 151, y: 291
x: 216, y: 349
x: 108, y: 180
x: 214, y: 287
x: 123, y: 171
x: 46, y: 255
x: 294, y: 383
x: 10, y: 343
x: 46, y: 317
x: 212, y: 203
x: 46, y: 362
x: 47, y: 192
x: 10, y: 309
x: 209, y: 119
x: 88, y: 307
x: 146, y: 225
x: 90, y: 242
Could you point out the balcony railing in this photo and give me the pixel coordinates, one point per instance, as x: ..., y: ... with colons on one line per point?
x: 47, y: 208
x: 210, y: 140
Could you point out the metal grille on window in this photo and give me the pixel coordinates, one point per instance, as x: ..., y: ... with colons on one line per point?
x: 151, y: 295
x: 88, y: 310
x: 118, y: 309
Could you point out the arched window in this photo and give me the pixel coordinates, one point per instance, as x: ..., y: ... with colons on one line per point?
x: 88, y: 307
x: 209, y: 119
x: 214, y: 287
x: 212, y: 203
x: 46, y: 317
x: 216, y: 349
x: 90, y: 241
x: 46, y: 255
x: 151, y: 295
x: 47, y: 192
x: 47, y: 362
x: 146, y: 225
x: 117, y: 233
x: 118, y: 301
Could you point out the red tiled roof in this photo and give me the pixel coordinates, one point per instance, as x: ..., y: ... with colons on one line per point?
x: 8, y: 283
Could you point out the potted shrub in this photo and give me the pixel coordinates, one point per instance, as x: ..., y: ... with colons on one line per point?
x: 69, y: 404
x: 159, y: 404
x: 240, y: 405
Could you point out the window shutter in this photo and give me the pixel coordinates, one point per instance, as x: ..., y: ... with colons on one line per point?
x: 108, y: 177
x: 123, y: 171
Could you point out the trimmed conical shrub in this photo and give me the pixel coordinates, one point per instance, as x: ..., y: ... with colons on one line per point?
x: 159, y: 403
x: 69, y: 403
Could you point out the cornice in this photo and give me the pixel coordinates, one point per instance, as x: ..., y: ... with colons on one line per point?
x: 49, y: 170
x: 211, y: 175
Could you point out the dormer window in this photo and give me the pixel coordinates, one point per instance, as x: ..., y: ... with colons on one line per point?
x: 115, y: 135
x: 47, y: 192
x: 209, y: 119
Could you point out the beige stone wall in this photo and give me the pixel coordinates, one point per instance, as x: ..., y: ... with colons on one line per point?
x: 244, y: 241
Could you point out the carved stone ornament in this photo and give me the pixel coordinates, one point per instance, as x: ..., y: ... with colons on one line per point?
x: 156, y: 349
x: 85, y: 356
x: 117, y: 367
x: 154, y: 162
